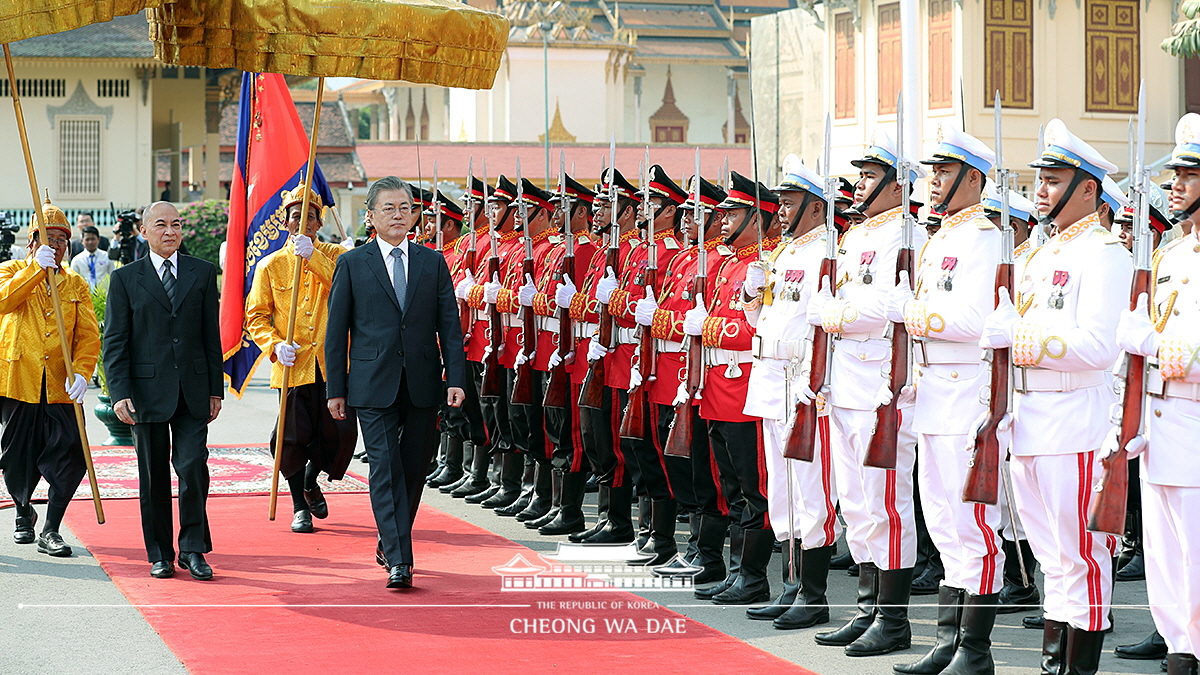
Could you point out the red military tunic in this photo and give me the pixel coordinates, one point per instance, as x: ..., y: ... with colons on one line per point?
x: 508, y: 246
x: 631, y: 288
x: 544, y: 304
x: 584, y: 308
x: 509, y: 299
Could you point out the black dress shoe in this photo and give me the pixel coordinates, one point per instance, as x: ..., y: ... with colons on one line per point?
x: 1153, y: 647
x: 302, y: 521
x: 195, y: 564
x: 580, y: 535
x: 536, y: 510
x: 400, y: 576
x: 24, y: 534
x: 163, y: 569
x: 1034, y: 622
x: 1134, y: 570
x: 51, y: 543
x: 317, y: 506
x: 546, y: 519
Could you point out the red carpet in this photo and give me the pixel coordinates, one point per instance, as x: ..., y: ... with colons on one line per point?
x: 307, y: 593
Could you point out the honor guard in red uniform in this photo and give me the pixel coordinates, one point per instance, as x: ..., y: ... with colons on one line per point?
x: 736, y: 438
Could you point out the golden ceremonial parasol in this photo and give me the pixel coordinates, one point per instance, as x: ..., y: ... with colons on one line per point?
x: 440, y: 42
x: 20, y: 19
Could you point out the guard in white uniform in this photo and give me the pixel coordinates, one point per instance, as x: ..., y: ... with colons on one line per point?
x: 782, y: 354
x: 955, y: 278
x: 1170, y: 466
x: 1063, y: 338
x: 877, y: 504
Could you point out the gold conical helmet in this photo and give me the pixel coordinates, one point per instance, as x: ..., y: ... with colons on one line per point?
x: 53, y: 217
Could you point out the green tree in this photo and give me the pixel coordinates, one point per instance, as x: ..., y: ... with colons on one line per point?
x: 1185, y: 35
x: 204, y: 227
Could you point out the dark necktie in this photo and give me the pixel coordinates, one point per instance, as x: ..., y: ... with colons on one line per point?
x: 168, y: 280
x: 399, y: 278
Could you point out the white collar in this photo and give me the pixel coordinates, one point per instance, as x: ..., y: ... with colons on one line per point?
x: 386, y: 248
x: 157, y: 260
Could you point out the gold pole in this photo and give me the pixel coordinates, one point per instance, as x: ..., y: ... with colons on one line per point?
x: 291, y: 325
x: 58, y: 319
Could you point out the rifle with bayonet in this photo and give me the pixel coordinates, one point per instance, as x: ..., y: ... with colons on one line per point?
x: 633, y: 424
x: 559, y: 382
x: 522, y: 393
x: 591, y: 391
x: 802, y: 439
x: 490, y: 386
x: 1107, y: 512
x: 464, y: 311
x: 982, y: 484
x: 881, y: 451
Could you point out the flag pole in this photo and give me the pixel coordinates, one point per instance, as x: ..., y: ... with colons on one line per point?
x: 39, y: 219
x: 291, y: 324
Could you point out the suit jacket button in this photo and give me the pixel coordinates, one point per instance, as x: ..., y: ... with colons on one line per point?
x: 174, y: 339
x: 176, y: 366
x: 399, y: 353
x: 403, y: 327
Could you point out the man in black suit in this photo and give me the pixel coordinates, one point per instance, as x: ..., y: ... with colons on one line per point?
x: 391, y: 311
x: 162, y: 357
x: 84, y: 220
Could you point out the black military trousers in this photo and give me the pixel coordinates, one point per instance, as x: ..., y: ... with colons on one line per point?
x: 737, y: 448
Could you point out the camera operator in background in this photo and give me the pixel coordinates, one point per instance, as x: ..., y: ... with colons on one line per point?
x: 126, y: 239
x: 8, y: 239
x: 93, y: 263
x: 83, y: 221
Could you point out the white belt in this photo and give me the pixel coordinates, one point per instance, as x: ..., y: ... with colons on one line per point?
x: 550, y: 324
x: 1026, y: 380
x: 625, y: 336
x: 584, y: 330
x: 934, y: 352
x: 510, y: 320
x: 479, y: 315
x: 1156, y: 386
x: 669, y: 346
x: 776, y: 349
x: 723, y: 357
x: 881, y: 334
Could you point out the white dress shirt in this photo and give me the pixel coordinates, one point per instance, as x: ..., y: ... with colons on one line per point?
x: 386, y: 249
x: 157, y: 260
x: 102, y: 265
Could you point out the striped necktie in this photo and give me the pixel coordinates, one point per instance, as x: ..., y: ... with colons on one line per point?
x: 399, y: 277
x: 168, y: 280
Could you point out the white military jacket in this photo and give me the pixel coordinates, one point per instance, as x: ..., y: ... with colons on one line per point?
x: 783, y: 335
x: 1070, y: 295
x: 955, y: 291
x: 1172, y: 412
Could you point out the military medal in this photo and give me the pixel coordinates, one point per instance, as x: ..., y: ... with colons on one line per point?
x: 791, y: 280
x: 864, y: 267
x: 1056, y: 296
x: 946, y: 283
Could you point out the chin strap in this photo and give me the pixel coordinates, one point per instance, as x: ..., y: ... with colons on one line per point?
x: 963, y: 170
x: 1183, y: 215
x: 733, y: 236
x: 1047, y: 221
x: 791, y: 229
x: 888, y: 177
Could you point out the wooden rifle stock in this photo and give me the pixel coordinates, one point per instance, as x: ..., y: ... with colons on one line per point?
x: 559, y: 382
x: 633, y: 424
x: 982, y: 485
x: 591, y: 391
x: 679, y: 440
x: 464, y: 312
x: 1107, y: 512
x: 802, y: 439
x: 490, y: 386
x: 522, y: 393
x: 881, y: 452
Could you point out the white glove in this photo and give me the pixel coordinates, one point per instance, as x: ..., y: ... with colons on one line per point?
x: 1135, y: 333
x: 564, y: 293
x: 643, y: 312
x: 805, y: 395
x: 635, y: 378
x: 898, y: 297
x: 303, y: 245
x: 908, y: 395
x: 555, y: 359
x: 463, y: 289
x: 285, y: 354
x: 693, y: 320
x: 998, y: 326
x: 1136, y: 445
x: 347, y: 243
x: 756, y: 280
x: 818, y: 302
x: 1004, y: 432
x: 681, y: 394
x: 76, y: 388
x: 522, y: 358
x: 45, y: 257
x: 606, y: 286
x: 491, y: 290
x: 596, y: 351
x: 525, y: 293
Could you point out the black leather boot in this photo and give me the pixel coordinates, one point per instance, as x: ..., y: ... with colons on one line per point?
x: 790, y: 590
x: 930, y: 580
x: 661, y: 547
x: 26, y: 519
x: 619, y: 527
x: 1152, y: 648
x: 890, y: 631
x: 452, y: 469
x: 1181, y: 664
x: 477, y: 480
x: 1054, y: 647
x: 543, y: 488
x: 950, y: 609
x: 752, y: 584
x: 644, y: 528
x: 1014, y: 596
x: 570, y: 510
x: 693, y: 547
x: 1131, y: 563
x: 528, y: 480
x: 842, y: 562
x: 811, y: 607
x: 868, y: 589
x: 512, y: 467
x: 1083, y: 651
x: 556, y: 478
x: 602, y: 502
x: 736, y: 536
x: 974, y: 654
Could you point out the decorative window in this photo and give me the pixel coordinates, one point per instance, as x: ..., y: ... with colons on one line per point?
x: 41, y: 88
x: 191, y: 72
x: 889, y: 57
x: 1111, y: 38
x: 844, y: 65
x: 112, y: 88
x: 170, y: 72
x: 1008, y: 44
x: 675, y: 135
x: 941, y: 54
x: 79, y: 156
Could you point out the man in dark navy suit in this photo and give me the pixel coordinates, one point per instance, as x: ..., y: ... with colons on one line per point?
x: 393, y: 313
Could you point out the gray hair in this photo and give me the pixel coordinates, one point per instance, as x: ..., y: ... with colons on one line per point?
x: 386, y: 184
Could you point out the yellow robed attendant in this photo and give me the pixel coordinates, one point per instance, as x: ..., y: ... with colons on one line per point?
x: 38, y: 435
x: 313, y: 440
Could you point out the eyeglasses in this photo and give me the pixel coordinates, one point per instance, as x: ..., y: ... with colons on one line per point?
x: 57, y: 241
x: 388, y: 210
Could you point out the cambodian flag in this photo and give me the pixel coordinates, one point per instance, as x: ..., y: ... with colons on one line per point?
x: 272, y: 157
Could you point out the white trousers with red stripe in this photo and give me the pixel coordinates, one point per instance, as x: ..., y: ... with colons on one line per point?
x: 1172, y: 541
x: 812, y: 518
x: 1053, y: 493
x: 877, y: 504
x: 965, y: 534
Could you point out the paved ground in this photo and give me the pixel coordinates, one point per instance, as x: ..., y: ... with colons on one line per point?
x: 115, y: 639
